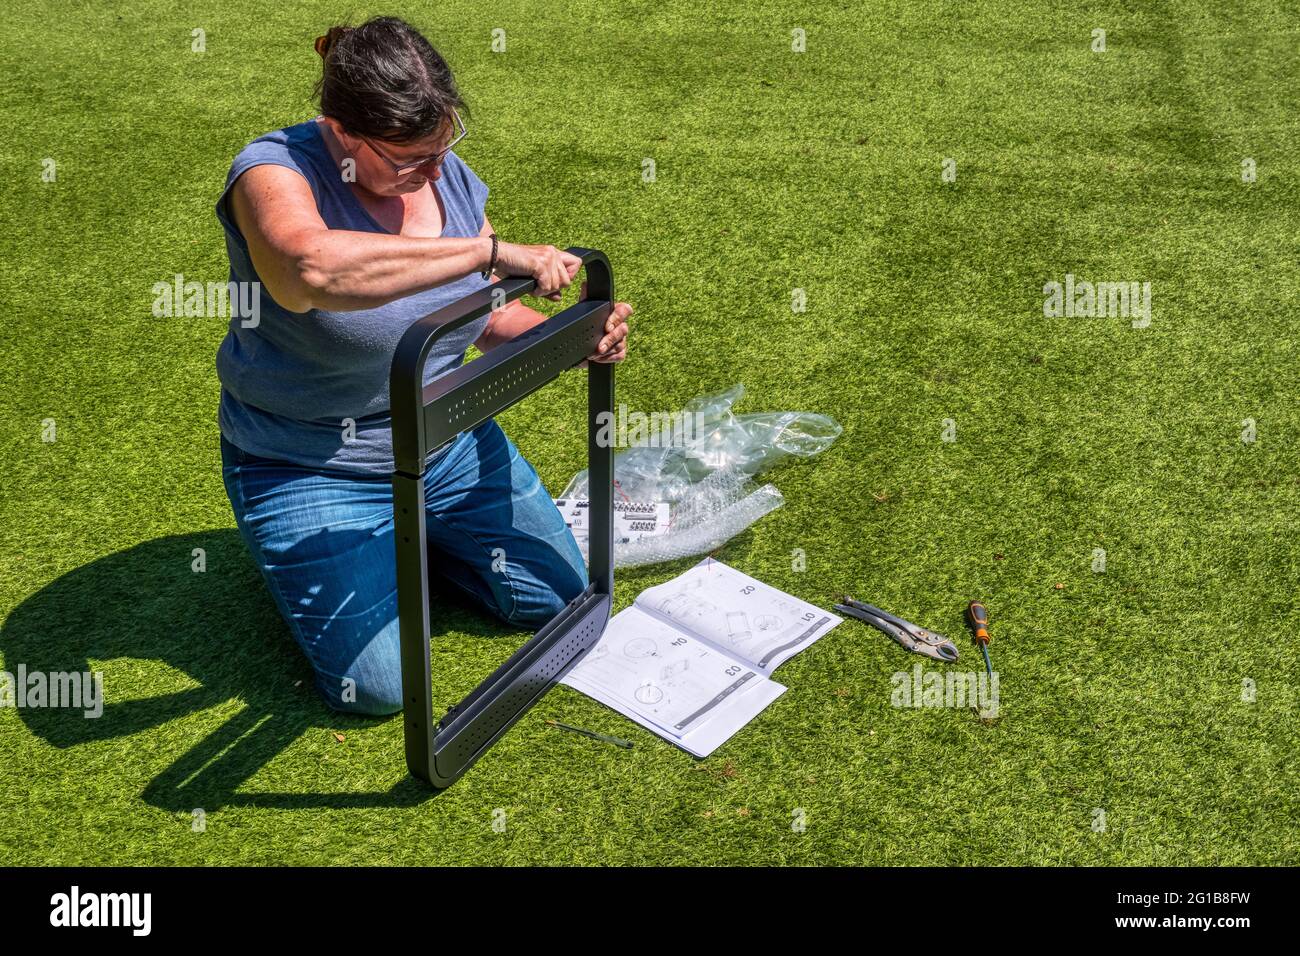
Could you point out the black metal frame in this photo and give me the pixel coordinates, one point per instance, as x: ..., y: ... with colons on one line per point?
x: 427, y: 417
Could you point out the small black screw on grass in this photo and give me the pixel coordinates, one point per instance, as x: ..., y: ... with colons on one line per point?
x: 616, y: 741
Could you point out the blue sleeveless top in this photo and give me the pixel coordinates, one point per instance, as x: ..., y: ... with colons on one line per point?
x: 289, y: 384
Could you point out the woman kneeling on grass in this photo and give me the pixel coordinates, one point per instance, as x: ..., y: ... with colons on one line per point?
x: 356, y: 224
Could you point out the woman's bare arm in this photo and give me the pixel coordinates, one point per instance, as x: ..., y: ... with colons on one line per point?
x: 515, y: 318
x: 304, y: 264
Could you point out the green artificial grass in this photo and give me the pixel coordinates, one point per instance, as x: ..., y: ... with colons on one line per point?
x: 1121, y: 691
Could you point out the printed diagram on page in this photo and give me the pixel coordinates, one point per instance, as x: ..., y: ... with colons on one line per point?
x: 733, y: 611
x: 671, y: 678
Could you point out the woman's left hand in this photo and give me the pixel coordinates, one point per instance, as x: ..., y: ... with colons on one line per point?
x: 613, y: 347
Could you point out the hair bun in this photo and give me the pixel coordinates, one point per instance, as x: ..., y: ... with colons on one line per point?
x: 332, y: 36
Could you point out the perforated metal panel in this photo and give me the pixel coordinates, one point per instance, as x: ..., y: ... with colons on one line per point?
x: 475, y: 392
x: 497, y: 716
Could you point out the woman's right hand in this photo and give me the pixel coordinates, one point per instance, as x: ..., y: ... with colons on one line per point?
x: 554, y: 269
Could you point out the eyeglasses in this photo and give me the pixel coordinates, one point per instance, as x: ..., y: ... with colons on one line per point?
x: 405, y: 168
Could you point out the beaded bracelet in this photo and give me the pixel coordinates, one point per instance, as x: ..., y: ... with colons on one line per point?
x: 487, y: 273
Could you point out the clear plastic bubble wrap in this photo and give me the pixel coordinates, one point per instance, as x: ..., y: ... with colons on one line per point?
x: 705, y: 471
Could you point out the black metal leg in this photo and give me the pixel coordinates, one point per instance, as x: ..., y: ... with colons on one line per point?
x: 600, y: 478
x: 413, y: 621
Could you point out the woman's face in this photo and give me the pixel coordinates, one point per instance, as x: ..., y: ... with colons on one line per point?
x: 376, y: 158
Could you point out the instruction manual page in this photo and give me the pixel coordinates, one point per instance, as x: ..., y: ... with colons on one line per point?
x: 690, y: 659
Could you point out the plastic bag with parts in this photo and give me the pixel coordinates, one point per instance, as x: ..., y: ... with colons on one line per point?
x: 701, y: 461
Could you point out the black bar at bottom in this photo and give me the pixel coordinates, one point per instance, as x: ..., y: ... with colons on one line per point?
x: 493, y: 707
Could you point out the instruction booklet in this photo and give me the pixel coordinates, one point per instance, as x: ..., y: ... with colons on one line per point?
x: 690, y: 659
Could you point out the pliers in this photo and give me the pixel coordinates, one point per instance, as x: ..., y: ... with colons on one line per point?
x: 916, y: 639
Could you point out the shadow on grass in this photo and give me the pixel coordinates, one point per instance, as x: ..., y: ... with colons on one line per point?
x: 222, y: 630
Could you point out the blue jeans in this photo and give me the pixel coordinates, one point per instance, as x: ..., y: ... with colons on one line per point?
x: 324, y: 542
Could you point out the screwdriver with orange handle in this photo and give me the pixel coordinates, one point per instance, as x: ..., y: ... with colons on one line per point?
x: 977, y: 616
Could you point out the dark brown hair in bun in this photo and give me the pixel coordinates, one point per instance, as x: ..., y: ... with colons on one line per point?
x: 383, y: 79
